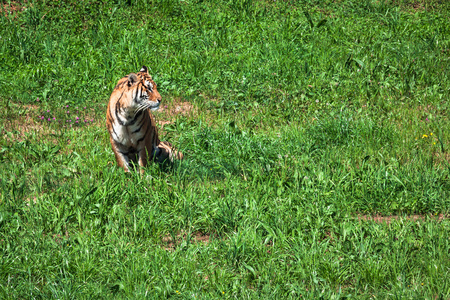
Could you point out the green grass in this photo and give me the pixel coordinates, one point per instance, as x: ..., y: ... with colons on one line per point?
x: 306, y: 118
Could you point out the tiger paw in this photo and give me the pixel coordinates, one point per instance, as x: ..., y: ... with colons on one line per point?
x: 166, y: 152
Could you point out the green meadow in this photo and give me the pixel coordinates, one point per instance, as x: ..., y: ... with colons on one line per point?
x: 315, y: 134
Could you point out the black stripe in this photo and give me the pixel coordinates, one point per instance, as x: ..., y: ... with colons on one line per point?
x: 134, y: 94
x: 119, y: 110
x: 137, y: 96
x: 130, y: 151
x: 117, y: 136
x: 120, y: 97
x: 137, y: 130
x: 118, y: 86
x: 141, y: 124
x: 143, y: 137
x: 135, y: 118
x: 117, y: 114
x: 144, y: 88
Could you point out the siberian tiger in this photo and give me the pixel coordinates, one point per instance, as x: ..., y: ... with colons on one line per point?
x: 132, y: 129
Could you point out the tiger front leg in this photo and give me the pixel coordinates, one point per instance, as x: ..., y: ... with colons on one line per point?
x: 122, y: 160
x: 142, y: 159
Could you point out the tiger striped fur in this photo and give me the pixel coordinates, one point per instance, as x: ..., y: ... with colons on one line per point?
x: 132, y: 127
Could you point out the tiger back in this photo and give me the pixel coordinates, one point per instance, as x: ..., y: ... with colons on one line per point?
x: 131, y: 125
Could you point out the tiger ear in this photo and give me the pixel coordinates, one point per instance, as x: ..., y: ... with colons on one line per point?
x: 144, y: 69
x: 132, y: 79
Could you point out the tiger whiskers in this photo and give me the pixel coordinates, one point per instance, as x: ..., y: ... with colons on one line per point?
x: 141, y: 108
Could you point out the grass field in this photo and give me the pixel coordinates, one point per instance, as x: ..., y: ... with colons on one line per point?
x: 316, y: 137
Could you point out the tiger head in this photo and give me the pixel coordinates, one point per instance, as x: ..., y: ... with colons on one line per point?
x: 140, y: 92
x: 151, y: 85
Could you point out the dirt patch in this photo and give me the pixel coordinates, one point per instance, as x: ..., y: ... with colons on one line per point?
x: 169, y: 112
x: 24, y: 120
x: 417, y: 6
x: 11, y: 8
x: 170, y: 244
x: 412, y: 6
x: 15, y: 129
x: 442, y: 156
x: 388, y: 219
x: 176, y: 107
x: 28, y: 201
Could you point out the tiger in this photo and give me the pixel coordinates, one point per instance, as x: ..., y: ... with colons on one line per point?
x: 131, y: 125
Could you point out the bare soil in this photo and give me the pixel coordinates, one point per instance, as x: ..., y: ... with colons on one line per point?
x: 11, y: 8
x: 388, y: 219
x: 168, y: 113
x: 170, y: 244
